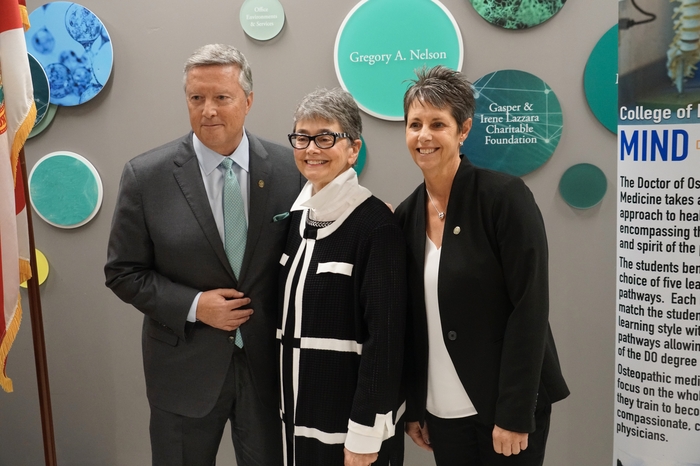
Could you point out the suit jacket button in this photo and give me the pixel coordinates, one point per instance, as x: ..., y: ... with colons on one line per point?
x: 457, y: 230
x: 452, y: 335
x: 231, y: 339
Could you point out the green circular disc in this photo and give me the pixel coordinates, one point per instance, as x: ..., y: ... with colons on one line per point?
x: 382, y: 42
x: 600, y: 80
x: 361, y: 157
x: 45, y: 122
x: 517, y: 124
x: 583, y: 185
x: 65, y: 189
x: 41, y: 88
x: 517, y: 14
x: 262, y: 19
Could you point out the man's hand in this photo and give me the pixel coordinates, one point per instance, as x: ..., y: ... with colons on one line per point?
x: 419, y: 435
x: 221, y: 308
x: 507, y: 442
x: 359, y: 459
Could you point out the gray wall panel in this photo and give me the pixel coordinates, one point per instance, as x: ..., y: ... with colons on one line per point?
x: 93, y: 340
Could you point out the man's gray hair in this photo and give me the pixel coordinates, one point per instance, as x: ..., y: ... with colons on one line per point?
x: 442, y: 88
x: 332, y: 105
x: 222, y: 55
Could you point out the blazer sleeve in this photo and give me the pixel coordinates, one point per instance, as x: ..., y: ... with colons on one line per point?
x: 522, y: 243
x: 383, y: 299
x: 130, y: 269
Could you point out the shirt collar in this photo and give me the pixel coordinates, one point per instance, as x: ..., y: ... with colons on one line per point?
x: 210, y: 160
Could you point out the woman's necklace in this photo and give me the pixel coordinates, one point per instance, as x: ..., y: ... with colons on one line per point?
x: 441, y: 215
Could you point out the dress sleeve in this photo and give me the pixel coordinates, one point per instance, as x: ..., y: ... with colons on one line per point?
x: 382, y: 289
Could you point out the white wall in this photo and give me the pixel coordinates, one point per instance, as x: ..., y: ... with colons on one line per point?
x: 99, y: 404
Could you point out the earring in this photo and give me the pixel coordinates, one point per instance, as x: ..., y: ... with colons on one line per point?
x: 461, y: 143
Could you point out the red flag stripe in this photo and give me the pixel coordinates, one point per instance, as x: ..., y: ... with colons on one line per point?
x: 10, y: 17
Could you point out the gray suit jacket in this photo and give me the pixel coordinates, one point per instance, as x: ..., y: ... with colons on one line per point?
x: 164, y: 248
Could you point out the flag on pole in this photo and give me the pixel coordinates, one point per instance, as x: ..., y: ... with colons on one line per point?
x: 17, y: 114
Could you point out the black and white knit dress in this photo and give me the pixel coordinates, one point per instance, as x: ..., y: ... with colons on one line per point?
x: 341, y: 333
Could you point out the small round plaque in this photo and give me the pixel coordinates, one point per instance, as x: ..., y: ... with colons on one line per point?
x: 65, y: 189
x: 262, y: 19
x: 361, y: 157
x: 45, y: 122
x: 42, y: 268
x: 40, y: 84
x: 583, y: 186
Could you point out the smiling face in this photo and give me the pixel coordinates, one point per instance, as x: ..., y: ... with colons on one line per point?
x: 217, y: 106
x: 321, y: 166
x: 433, y: 137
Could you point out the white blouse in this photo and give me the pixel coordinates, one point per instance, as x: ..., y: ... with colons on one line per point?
x: 447, y: 398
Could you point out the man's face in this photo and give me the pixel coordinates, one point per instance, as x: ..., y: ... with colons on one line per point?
x: 217, y: 106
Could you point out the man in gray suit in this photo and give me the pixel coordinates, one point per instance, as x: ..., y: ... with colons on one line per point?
x: 171, y: 255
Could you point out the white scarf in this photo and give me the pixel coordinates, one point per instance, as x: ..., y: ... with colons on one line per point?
x: 341, y: 195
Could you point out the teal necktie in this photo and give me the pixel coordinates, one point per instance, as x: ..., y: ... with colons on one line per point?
x: 235, y: 225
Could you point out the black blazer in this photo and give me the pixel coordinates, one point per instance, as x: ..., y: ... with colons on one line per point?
x: 164, y: 248
x: 493, y: 296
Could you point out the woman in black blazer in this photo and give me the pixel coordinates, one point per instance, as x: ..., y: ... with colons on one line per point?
x: 482, y: 369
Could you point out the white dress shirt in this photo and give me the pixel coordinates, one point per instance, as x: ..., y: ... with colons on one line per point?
x: 447, y: 397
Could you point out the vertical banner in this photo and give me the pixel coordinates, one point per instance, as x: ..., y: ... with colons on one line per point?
x: 657, y: 362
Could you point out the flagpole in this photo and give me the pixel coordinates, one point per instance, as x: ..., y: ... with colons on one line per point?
x: 42, y: 372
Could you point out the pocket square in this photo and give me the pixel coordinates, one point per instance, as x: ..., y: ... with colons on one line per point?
x: 279, y: 217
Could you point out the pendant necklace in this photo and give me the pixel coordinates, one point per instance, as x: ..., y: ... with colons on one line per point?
x: 441, y: 215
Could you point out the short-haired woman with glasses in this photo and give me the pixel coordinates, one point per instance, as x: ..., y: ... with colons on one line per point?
x: 343, y: 289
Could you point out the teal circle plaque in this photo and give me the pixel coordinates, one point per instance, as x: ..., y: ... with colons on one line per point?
x: 65, y: 189
x: 45, y: 122
x: 262, y: 19
x: 517, y: 124
x: 42, y: 91
x: 583, y: 186
x: 361, y: 157
x: 382, y: 42
x: 517, y: 14
x: 600, y: 80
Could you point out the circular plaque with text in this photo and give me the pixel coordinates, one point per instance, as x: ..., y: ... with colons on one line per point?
x: 262, y: 19
x: 517, y: 124
x: 382, y: 42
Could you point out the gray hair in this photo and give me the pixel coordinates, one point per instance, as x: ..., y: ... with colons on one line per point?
x: 333, y: 105
x: 222, y: 55
x: 442, y: 88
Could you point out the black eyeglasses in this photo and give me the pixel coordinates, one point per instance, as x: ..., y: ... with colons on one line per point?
x: 322, y: 141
